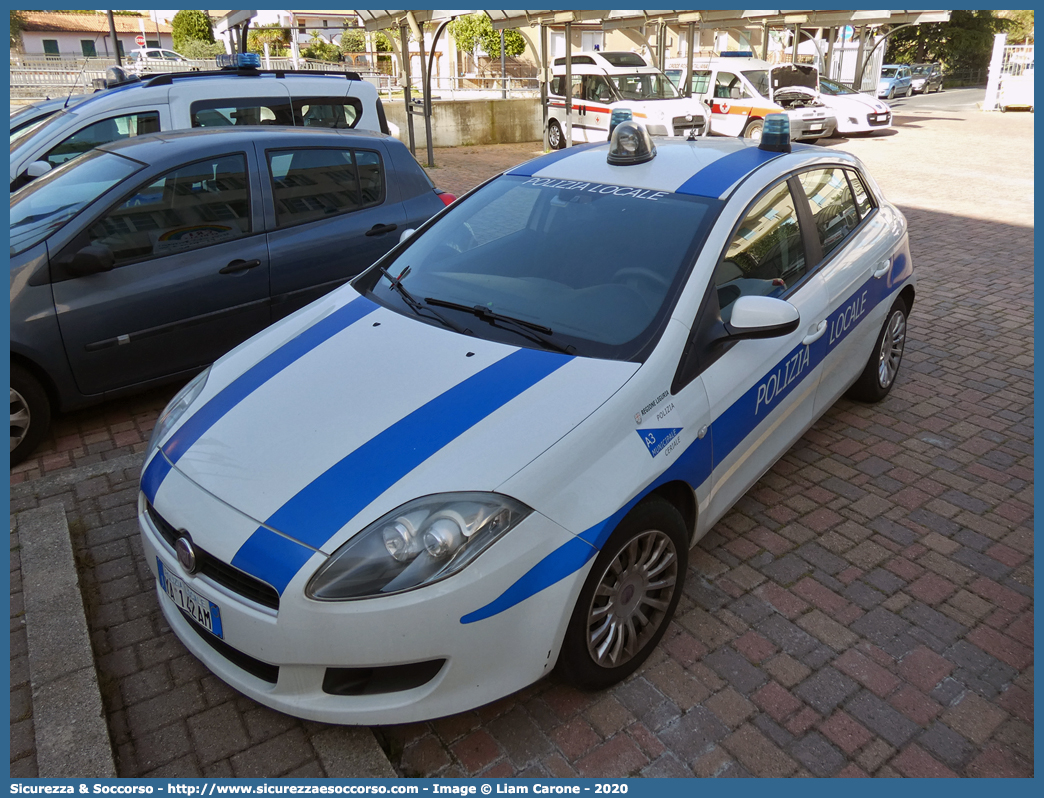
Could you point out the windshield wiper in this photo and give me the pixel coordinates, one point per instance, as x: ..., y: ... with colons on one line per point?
x: 414, y: 304
x: 527, y: 329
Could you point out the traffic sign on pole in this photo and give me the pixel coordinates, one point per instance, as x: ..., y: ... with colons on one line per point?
x: 139, y: 40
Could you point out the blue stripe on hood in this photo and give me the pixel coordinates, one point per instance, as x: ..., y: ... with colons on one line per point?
x: 245, y: 384
x: 321, y: 508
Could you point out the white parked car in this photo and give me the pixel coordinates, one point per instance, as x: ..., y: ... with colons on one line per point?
x: 156, y: 59
x: 855, y: 112
x: 489, y: 456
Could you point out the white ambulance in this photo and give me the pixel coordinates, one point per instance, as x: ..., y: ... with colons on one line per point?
x: 603, y: 82
x: 743, y: 90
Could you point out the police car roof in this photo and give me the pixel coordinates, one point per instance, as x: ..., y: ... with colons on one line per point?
x: 705, y: 168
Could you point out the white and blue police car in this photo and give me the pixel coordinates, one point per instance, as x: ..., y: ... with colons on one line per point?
x: 490, y: 454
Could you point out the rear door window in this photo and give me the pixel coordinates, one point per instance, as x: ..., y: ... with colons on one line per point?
x: 833, y: 208
x: 234, y: 113
x: 311, y: 184
x: 329, y: 112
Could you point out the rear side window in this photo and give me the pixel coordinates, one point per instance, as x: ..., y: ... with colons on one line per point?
x: 332, y: 112
x: 114, y: 129
x: 193, y: 206
x: 863, y: 199
x: 310, y: 184
x: 766, y: 256
x: 833, y: 208
x: 701, y: 82
x: 233, y: 113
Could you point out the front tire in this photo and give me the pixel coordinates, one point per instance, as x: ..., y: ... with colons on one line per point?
x: 30, y: 413
x: 629, y: 597
x: 881, y: 369
x: 754, y: 129
x: 555, y: 137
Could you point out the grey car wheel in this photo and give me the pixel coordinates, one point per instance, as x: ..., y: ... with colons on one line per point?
x: 628, y: 598
x: 30, y: 413
x: 880, y: 371
x: 555, y: 138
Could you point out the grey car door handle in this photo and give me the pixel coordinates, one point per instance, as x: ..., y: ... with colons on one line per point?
x: 239, y: 266
x: 381, y: 229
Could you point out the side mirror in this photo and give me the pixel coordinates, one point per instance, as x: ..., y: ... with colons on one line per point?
x: 761, y: 317
x: 406, y: 234
x: 92, y: 259
x: 38, y: 169
x: 734, y: 93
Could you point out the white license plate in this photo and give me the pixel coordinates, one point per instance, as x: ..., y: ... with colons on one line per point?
x: 815, y: 127
x: 201, y: 610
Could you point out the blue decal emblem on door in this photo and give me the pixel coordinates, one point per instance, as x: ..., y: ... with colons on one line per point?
x: 657, y: 439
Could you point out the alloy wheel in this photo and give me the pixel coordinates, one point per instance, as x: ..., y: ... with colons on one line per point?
x: 892, y: 343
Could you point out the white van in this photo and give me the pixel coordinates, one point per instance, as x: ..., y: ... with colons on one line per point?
x: 603, y: 82
x: 180, y: 100
x: 742, y: 91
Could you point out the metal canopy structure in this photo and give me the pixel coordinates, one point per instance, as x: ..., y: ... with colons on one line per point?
x: 689, y: 20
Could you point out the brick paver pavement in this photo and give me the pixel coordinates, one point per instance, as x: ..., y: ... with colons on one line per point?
x: 866, y: 609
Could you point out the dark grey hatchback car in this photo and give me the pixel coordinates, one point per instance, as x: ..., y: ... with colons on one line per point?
x: 149, y: 258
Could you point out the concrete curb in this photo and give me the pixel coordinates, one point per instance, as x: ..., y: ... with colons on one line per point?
x: 72, y: 736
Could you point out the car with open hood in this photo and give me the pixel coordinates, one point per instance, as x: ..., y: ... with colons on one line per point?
x: 489, y: 455
x: 743, y: 90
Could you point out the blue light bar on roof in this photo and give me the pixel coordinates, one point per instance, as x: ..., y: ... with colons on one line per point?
x: 239, y: 60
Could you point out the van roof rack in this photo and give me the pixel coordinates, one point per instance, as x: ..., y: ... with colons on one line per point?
x: 168, y: 78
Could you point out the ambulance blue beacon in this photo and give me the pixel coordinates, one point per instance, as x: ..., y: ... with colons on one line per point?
x: 489, y: 455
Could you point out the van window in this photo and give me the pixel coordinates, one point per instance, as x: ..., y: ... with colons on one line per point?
x: 102, y: 132
x: 701, y: 81
x: 597, y: 90
x: 759, y: 79
x: 227, y: 113
x: 558, y: 86
x: 624, y: 59
x: 644, y: 86
x: 193, y: 206
x: 729, y: 87
x: 310, y: 184
x: 331, y: 112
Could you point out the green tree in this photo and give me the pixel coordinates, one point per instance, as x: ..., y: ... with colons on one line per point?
x: 200, y: 51
x: 18, y: 22
x: 965, y: 42
x: 190, y: 26
x: 319, y: 50
x: 353, y: 40
x: 475, y: 32
x: 1020, y: 25
x: 277, y: 38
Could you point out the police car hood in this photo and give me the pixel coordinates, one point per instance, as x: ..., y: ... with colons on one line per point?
x: 348, y: 409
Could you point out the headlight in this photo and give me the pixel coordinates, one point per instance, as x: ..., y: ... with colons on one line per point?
x: 176, y: 409
x: 422, y: 542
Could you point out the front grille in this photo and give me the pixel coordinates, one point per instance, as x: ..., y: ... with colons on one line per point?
x: 255, y: 667
x: 222, y: 573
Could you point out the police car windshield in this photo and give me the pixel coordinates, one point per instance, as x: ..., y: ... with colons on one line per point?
x: 644, y: 86
x: 599, y: 265
x: 53, y: 121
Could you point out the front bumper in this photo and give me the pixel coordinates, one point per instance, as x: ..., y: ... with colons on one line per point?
x: 292, y: 657
x: 812, y: 128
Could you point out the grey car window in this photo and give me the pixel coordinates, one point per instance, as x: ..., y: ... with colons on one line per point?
x: 310, y: 184
x: 193, y: 206
x: 50, y: 201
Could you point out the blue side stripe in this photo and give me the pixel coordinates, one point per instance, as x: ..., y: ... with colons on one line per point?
x: 245, y: 384
x: 319, y: 510
x: 530, y: 168
x: 694, y: 465
x: 715, y: 178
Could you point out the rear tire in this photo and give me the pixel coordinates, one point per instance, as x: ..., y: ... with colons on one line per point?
x: 881, y: 369
x: 555, y: 137
x: 30, y: 413
x: 629, y: 597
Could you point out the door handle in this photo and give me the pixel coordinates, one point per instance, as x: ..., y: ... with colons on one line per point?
x: 812, y: 337
x: 381, y: 229
x: 883, y: 269
x: 239, y: 266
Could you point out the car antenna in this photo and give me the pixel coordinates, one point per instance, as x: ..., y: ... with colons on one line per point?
x: 78, y: 76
